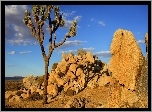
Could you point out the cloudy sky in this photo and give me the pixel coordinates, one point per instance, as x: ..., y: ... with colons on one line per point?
x: 96, y: 26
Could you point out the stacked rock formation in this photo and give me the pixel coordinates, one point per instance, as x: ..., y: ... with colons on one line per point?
x: 126, y: 66
x: 127, y: 58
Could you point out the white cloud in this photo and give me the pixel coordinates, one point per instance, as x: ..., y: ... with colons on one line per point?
x: 103, y: 54
x: 16, y: 32
x: 86, y: 49
x: 67, y: 14
x: 68, y: 44
x: 12, y: 52
x: 28, y: 51
x: 78, y: 18
x: 60, y: 52
x: 19, y: 41
x: 11, y: 65
x: 141, y: 41
x: 13, y: 9
x: 68, y: 23
x: 24, y: 52
x: 101, y: 23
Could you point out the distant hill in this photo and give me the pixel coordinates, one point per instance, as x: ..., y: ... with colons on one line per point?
x: 13, y: 78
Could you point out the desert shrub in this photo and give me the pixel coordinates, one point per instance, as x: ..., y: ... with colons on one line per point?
x: 54, y: 66
x: 95, y: 57
x: 81, y: 52
x: 19, y: 93
x: 81, y: 66
x: 40, y: 79
x: 99, y: 62
x: 97, y: 69
x: 13, y: 85
x: 35, y: 96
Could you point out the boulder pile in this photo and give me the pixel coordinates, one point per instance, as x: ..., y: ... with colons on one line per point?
x: 76, y: 72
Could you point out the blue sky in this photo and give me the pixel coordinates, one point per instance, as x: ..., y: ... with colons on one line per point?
x: 96, y: 26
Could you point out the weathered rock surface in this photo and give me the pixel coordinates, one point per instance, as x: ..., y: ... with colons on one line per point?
x: 127, y: 58
x: 142, y: 81
x: 73, y: 68
x: 52, y: 90
x: 76, y: 103
x: 128, y: 96
x: 15, y: 98
x: 104, y: 79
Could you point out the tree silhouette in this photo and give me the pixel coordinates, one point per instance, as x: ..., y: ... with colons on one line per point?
x: 41, y: 14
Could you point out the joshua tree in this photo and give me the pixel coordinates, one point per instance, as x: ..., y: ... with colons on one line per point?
x: 42, y: 13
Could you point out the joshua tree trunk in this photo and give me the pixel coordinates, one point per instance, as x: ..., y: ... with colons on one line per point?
x: 45, y: 82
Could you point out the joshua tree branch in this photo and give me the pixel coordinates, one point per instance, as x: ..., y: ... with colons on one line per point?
x: 54, y: 39
x: 60, y: 43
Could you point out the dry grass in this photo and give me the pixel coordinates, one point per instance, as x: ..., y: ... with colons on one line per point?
x: 13, y: 85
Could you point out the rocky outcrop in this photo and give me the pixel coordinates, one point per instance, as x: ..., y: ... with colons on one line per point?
x: 52, y: 90
x: 127, y: 58
x: 142, y: 81
x: 75, y: 103
x: 74, y: 73
x: 29, y: 81
x: 127, y: 65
